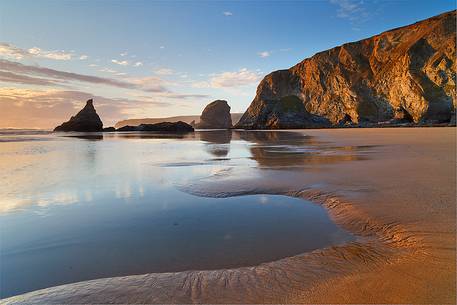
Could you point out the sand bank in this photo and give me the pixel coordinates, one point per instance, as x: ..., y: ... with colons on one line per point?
x: 400, y: 202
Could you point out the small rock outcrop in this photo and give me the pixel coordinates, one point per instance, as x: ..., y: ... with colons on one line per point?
x: 402, y: 76
x: 109, y: 129
x: 161, y: 127
x: 216, y: 115
x: 86, y: 120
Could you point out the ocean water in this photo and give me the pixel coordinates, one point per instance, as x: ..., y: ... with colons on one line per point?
x: 76, y: 207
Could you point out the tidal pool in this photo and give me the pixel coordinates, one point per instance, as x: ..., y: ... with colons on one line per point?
x: 82, y: 207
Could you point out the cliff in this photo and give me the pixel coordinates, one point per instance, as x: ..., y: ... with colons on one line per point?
x: 402, y: 75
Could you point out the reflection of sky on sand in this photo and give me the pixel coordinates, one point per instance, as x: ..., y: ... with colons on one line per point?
x: 113, y: 204
x: 64, y: 170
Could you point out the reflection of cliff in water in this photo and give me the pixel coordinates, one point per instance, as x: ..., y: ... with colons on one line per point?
x: 87, y: 136
x: 217, y: 142
x: 292, y: 149
x: 153, y: 135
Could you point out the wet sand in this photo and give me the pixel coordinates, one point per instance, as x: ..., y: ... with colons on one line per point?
x: 400, y: 202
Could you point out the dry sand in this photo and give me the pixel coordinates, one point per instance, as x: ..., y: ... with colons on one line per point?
x: 400, y: 202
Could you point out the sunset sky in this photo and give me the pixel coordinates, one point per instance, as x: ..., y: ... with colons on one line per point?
x: 155, y: 59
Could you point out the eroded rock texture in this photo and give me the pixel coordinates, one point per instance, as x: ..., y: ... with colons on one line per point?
x: 403, y: 75
x: 216, y: 115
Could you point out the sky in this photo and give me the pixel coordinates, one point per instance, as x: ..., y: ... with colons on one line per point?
x: 140, y: 59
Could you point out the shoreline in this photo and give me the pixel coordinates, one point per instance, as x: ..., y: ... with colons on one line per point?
x: 438, y: 125
x: 388, y: 240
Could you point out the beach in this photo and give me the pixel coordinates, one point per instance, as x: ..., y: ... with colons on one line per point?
x: 393, y: 188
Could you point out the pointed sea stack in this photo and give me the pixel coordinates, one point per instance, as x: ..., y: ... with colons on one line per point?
x: 87, y: 120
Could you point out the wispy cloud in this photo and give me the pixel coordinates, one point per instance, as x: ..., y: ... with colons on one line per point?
x: 10, y: 77
x: 184, y: 96
x: 13, y: 52
x: 239, y: 78
x: 120, y: 62
x: 227, y: 13
x: 150, y: 84
x: 124, y: 54
x: 9, y: 51
x: 57, y: 76
x: 56, y: 55
x: 201, y: 84
x: 138, y: 64
x: 107, y: 70
x: 164, y: 71
x: 352, y: 10
x: 264, y: 54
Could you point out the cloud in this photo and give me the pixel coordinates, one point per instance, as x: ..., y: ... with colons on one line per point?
x: 107, y: 70
x: 120, y: 62
x: 201, y: 85
x: 239, y: 78
x: 12, y: 52
x: 352, y: 10
x: 264, y: 54
x: 56, y: 55
x: 51, y: 107
x: 83, y: 57
x: 17, y: 73
x: 124, y: 54
x: 227, y: 13
x: 10, y: 77
x: 184, y: 96
x: 138, y: 64
x: 57, y: 76
x: 162, y: 47
x: 164, y: 71
x: 150, y: 84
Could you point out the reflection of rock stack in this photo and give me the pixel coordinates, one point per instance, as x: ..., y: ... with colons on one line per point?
x: 217, y: 142
x: 216, y: 115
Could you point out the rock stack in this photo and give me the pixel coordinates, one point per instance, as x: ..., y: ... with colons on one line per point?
x: 216, y: 115
x: 86, y: 120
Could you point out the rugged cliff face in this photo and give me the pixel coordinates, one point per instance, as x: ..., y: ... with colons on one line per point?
x: 406, y: 74
x: 86, y: 120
